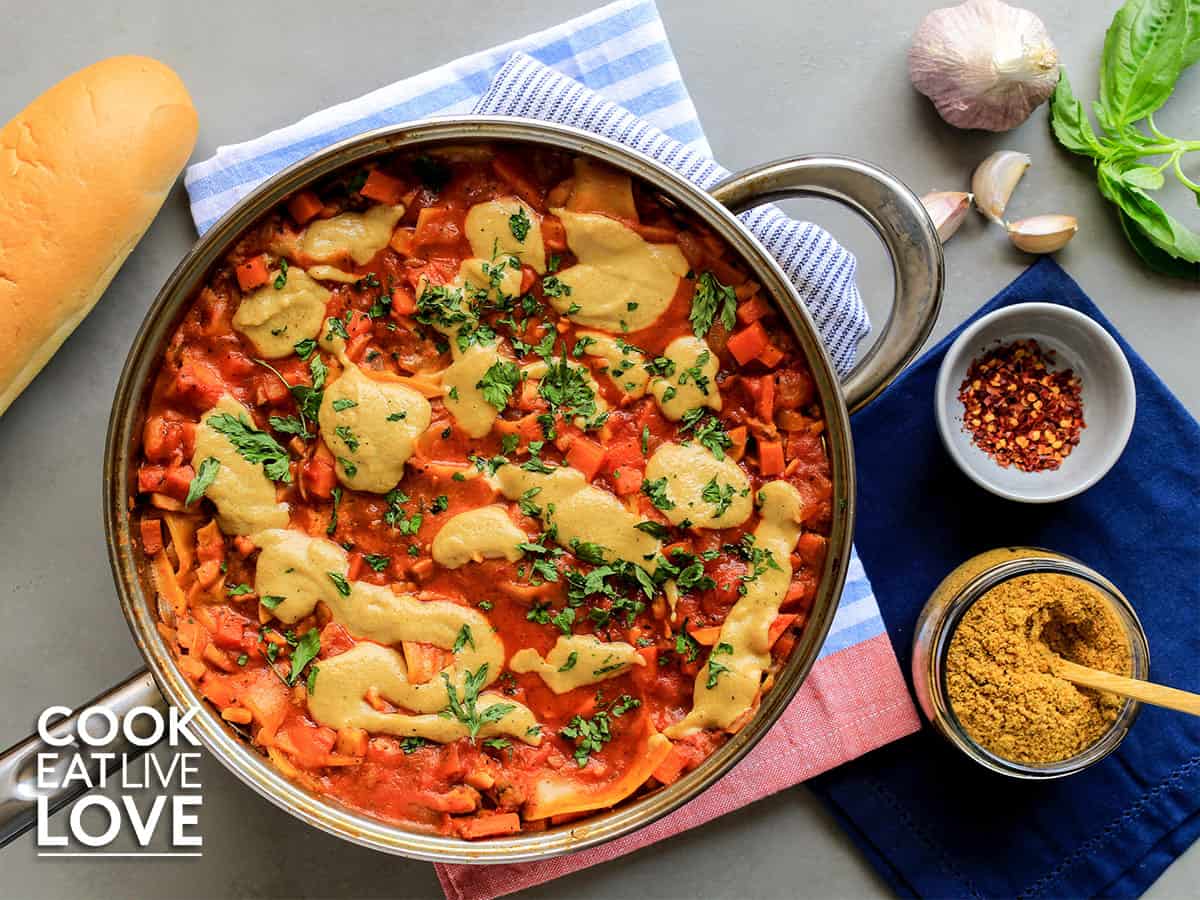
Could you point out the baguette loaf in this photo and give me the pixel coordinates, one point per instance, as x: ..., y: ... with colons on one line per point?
x: 83, y: 171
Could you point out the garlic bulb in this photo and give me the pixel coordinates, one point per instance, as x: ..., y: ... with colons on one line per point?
x: 984, y: 64
x: 1042, y: 234
x: 947, y: 209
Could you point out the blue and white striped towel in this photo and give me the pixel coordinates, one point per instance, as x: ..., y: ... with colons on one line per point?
x: 576, y: 74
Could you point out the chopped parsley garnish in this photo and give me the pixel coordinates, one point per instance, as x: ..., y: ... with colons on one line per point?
x: 305, y: 348
x: 205, y: 475
x: 336, y: 493
x: 464, y: 708
x: 719, y: 495
x: 464, y: 639
x: 656, y: 490
x: 518, y: 224
x: 654, y: 529
x: 645, y: 439
x: 564, y: 619
x: 397, y: 416
x: 686, y: 645
x: 570, y: 663
x: 342, y: 404
x: 499, y: 382
x: 238, y: 590
x: 395, y: 515
x: 526, y: 504
x: 412, y: 744
x: 709, y: 431
x: 376, y: 561
x: 348, y: 437
x: 306, y: 651
x: 715, y: 668
x: 552, y: 286
x: 348, y: 467
x: 340, y: 582
x: 290, y: 425
x: 590, y: 735
x: 539, y: 613
x: 337, y: 328
x: 281, y: 278
x: 440, y: 504
x: 253, y: 445
x: 712, y: 300
x: 566, y: 389
x: 243, y: 658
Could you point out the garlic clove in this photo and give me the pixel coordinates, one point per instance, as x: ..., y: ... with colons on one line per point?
x: 947, y: 209
x: 994, y: 181
x: 1042, y: 234
x: 983, y: 63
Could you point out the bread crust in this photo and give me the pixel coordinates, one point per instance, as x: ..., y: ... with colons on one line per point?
x: 84, y: 170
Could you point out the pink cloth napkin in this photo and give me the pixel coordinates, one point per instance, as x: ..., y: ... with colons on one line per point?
x: 853, y: 701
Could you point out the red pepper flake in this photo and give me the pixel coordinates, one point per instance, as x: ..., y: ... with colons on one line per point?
x: 1018, y: 410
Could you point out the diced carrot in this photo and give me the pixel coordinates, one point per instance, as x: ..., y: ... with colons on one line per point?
x: 192, y: 668
x: 424, y: 661
x: 586, y: 456
x: 253, y: 273
x: 489, y: 826
x: 671, y: 768
x: 319, y: 474
x: 356, y: 567
x: 770, y: 458
x: 766, y: 398
x: 511, y: 170
x: 177, y: 480
x: 152, y: 536
x: 778, y: 627
x: 208, y: 572
x: 706, y: 636
x: 752, y: 310
x: 304, y: 206
x: 771, y: 356
x: 238, y: 715
x: 747, y: 344
x: 210, y: 543
x: 738, y: 436
x: 627, y: 480
x: 403, y: 303
x: 554, y: 235
x: 383, y: 187
x: 150, y: 478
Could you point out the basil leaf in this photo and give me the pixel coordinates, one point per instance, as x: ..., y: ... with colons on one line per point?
x: 1070, y: 121
x: 1160, y: 228
x: 306, y: 651
x: 205, y: 475
x: 1156, y: 259
x: 1143, y: 56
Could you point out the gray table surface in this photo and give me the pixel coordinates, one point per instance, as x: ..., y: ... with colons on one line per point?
x: 769, y: 79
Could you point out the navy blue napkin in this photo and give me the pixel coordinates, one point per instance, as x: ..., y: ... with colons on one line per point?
x: 936, y: 824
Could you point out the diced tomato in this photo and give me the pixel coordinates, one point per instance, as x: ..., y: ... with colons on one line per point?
x: 796, y: 389
x: 319, y: 475
x: 512, y: 170
x: 383, y: 187
x: 335, y: 639
x: 489, y: 826
x: 745, y: 345
x: 403, y: 303
x: 586, y: 456
x: 669, y: 770
x: 230, y: 626
x: 161, y: 439
x: 402, y: 241
x: 253, y: 273
x: 811, y: 548
x: 766, y: 398
x: 152, y: 535
x: 304, y: 206
x: 311, y: 742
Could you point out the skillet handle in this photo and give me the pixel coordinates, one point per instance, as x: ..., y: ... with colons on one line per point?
x: 19, y: 763
x: 902, y: 224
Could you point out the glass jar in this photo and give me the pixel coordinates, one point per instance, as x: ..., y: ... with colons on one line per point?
x: 944, y: 610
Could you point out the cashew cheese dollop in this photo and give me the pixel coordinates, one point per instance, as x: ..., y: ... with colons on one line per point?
x: 477, y: 534
x: 492, y: 230
x: 276, y: 319
x: 728, y: 684
x: 703, y: 490
x: 371, y: 426
x: 621, y: 281
x: 357, y: 235
x: 242, y: 492
x: 577, y: 661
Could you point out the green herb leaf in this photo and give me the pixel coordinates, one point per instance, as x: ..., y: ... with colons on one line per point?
x: 306, y: 651
x: 253, y: 445
x: 1142, y: 60
x: 205, y: 475
x: 464, y: 639
x: 518, y: 224
x: 340, y: 582
x: 499, y: 382
x: 711, y: 301
x: 336, y: 494
x: 281, y: 278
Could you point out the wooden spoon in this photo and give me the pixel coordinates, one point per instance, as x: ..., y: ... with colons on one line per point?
x: 1145, y: 691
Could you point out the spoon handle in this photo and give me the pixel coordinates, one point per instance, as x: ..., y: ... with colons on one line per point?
x: 1145, y: 691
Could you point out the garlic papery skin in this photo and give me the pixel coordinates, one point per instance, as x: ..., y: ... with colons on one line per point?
x: 994, y: 181
x: 947, y: 209
x: 984, y: 64
x: 1042, y: 234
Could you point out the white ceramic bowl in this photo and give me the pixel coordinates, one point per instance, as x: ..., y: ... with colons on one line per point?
x: 1108, y: 400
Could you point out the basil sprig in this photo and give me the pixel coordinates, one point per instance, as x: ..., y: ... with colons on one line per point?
x: 1148, y: 46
